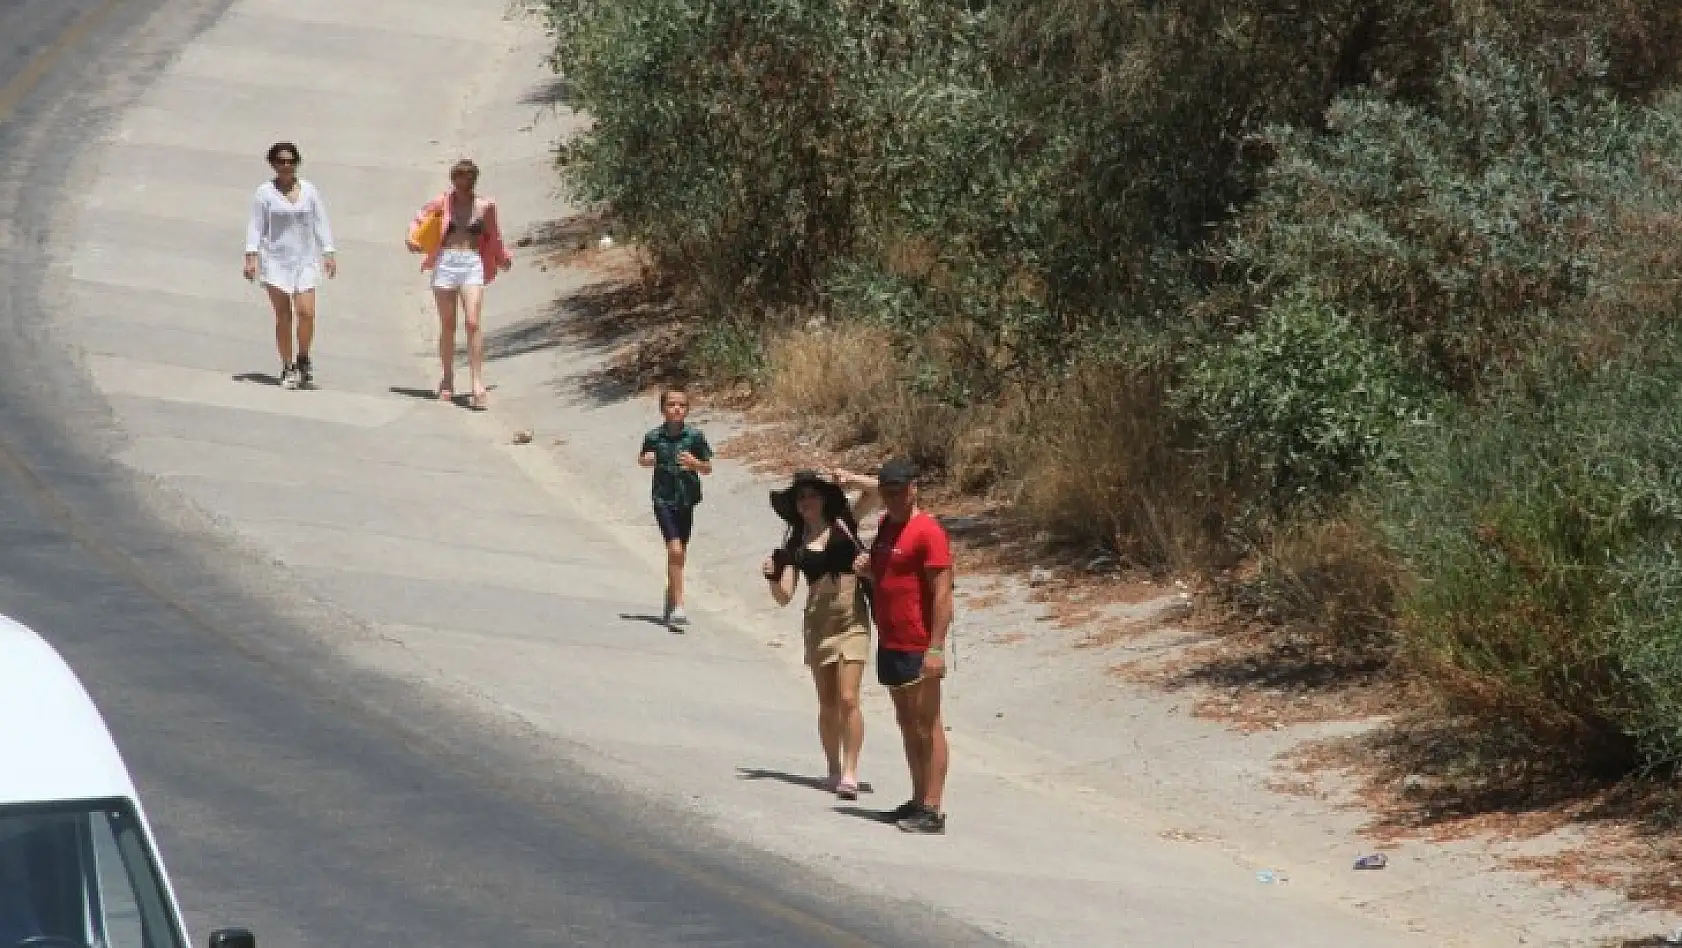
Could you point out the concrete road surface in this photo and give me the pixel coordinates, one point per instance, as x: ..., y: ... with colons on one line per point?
x: 318, y: 805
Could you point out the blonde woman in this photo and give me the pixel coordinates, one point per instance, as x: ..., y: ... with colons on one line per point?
x: 287, y: 238
x: 820, y: 546
x: 468, y: 258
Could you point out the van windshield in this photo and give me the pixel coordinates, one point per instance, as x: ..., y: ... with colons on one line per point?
x: 81, y: 875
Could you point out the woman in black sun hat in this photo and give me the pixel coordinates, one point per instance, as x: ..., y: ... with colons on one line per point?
x: 820, y: 545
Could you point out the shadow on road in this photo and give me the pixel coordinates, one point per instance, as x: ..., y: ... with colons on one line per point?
x: 798, y: 780
x: 645, y: 617
x: 261, y: 378
x: 865, y: 813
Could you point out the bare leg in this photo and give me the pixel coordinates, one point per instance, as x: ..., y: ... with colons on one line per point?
x: 303, y: 305
x: 905, y: 712
x: 282, y: 304
x: 446, y: 300
x: 850, y: 718
x: 675, y: 556
x: 472, y: 302
x: 931, y: 733
x: 829, y: 718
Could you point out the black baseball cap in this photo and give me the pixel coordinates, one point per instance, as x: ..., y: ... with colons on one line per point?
x: 897, y: 473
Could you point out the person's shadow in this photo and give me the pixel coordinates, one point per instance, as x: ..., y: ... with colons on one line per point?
x: 867, y: 814
x: 651, y: 620
x: 260, y: 378
x: 797, y: 780
x: 426, y: 394
x: 459, y: 399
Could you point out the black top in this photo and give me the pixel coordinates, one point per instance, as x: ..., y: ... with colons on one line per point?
x: 476, y: 226
x: 834, y: 559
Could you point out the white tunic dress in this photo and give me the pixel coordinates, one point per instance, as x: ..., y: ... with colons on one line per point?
x: 288, y: 238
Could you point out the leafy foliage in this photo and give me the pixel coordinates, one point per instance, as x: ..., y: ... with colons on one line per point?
x: 1543, y: 531
x: 1297, y: 407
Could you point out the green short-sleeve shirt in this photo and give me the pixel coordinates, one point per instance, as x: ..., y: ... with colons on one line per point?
x: 674, y: 486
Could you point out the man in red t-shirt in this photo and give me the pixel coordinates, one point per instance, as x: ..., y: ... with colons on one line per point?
x: 910, y: 567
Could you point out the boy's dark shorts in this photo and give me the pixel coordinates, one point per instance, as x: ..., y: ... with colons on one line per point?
x: 676, y: 523
x: 896, y: 669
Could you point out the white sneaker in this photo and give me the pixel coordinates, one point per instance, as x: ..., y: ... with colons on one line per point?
x: 289, y: 378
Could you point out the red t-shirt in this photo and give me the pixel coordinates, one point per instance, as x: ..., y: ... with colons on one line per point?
x: 903, y: 599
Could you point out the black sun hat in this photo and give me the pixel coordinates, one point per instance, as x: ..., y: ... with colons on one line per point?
x: 834, y: 498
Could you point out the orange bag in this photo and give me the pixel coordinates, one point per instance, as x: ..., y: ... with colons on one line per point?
x: 429, y: 233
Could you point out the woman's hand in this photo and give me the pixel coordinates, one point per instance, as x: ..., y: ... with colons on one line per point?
x: 768, y: 569
x: 846, y: 478
x: 251, y: 266
x: 331, y: 265
x: 413, y: 247
x: 506, y: 265
x: 861, y: 564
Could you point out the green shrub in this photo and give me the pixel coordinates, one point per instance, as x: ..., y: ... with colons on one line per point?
x: 730, y: 350
x: 1463, y: 229
x: 1299, y: 406
x: 1541, y: 533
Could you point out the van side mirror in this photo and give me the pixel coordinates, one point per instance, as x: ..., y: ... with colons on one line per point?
x: 232, y: 938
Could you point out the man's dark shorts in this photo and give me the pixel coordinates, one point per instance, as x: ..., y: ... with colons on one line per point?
x: 896, y: 669
x: 676, y: 523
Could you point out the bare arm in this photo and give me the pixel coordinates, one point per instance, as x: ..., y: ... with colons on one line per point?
x: 866, y: 500
x: 940, y: 622
x: 782, y: 581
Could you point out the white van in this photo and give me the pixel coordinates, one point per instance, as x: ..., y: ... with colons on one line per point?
x: 78, y: 868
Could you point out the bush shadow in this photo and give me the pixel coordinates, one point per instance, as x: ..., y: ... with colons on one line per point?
x: 553, y: 91
x: 1438, y: 777
x: 562, y: 238
x: 1296, y: 666
x: 627, y: 333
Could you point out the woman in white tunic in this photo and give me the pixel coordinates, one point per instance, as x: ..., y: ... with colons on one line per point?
x: 286, y: 243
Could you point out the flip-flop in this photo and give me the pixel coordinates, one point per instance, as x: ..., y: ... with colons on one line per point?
x: 847, y: 790
x: 445, y: 393
x: 477, y: 401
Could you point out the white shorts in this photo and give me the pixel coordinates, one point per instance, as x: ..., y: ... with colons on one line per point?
x: 458, y: 268
x: 289, y: 276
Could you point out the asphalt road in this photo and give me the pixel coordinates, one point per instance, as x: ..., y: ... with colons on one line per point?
x: 292, y: 794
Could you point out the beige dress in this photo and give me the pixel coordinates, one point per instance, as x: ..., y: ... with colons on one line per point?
x: 837, y: 622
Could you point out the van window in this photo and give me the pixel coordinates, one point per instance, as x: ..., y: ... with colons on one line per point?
x: 83, y: 874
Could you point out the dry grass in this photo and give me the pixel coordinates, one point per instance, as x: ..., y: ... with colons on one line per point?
x: 1333, y: 582
x: 1097, y: 461
x: 840, y: 379
x: 1089, y: 465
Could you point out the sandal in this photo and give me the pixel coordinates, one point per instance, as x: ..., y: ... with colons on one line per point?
x: 445, y: 392
x: 477, y: 400
x: 847, y: 789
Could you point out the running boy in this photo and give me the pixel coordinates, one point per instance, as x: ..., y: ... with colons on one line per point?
x: 678, y: 452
